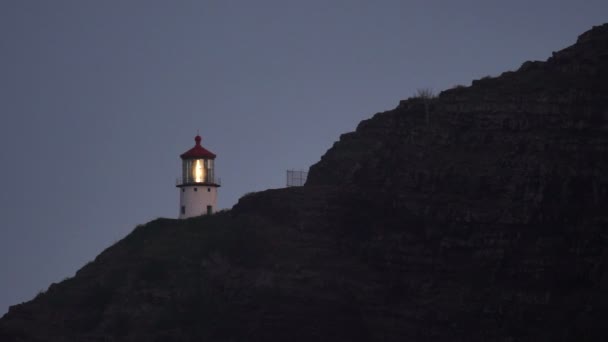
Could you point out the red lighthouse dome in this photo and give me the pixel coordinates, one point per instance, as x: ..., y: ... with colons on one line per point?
x: 198, y: 151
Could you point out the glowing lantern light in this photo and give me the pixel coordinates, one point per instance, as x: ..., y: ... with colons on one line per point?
x: 199, y: 172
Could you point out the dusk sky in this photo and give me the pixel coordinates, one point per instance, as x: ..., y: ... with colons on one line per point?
x: 99, y: 98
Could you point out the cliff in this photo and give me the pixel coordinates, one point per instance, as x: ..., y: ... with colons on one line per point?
x: 476, y: 215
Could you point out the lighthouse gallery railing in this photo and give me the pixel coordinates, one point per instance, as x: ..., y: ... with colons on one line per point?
x: 207, y: 180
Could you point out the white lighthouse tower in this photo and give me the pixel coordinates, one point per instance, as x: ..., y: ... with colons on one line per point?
x: 198, y: 184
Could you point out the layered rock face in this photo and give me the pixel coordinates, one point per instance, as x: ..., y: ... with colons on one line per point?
x: 478, y: 215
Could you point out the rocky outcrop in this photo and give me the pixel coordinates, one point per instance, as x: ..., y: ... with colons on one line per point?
x: 514, y: 148
x: 486, y: 223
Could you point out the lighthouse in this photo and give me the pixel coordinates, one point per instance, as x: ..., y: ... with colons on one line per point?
x: 198, y: 184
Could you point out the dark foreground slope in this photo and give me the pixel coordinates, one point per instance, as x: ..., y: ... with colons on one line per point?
x: 488, y: 221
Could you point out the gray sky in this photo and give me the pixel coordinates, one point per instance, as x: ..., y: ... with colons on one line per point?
x: 99, y: 98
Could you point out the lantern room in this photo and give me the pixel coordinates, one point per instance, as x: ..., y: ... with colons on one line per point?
x: 198, y: 165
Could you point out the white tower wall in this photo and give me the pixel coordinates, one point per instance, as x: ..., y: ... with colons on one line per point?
x: 195, y: 199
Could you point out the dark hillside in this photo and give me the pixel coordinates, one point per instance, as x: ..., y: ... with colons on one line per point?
x: 488, y: 221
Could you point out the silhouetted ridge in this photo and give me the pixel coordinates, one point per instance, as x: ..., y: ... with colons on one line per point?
x: 567, y: 92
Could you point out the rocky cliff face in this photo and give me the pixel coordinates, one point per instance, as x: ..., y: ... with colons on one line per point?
x: 477, y: 215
